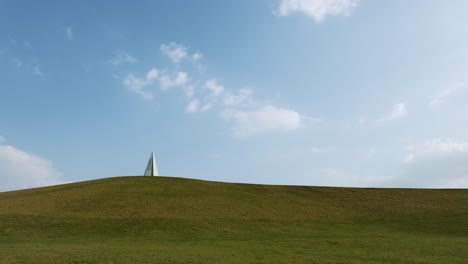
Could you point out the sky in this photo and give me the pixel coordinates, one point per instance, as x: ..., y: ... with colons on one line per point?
x: 299, y: 92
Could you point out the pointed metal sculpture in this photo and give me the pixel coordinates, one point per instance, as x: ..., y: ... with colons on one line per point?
x: 151, y: 168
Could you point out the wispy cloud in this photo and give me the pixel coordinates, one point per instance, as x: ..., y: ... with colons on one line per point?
x: 197, y: 56
x: 318, y: 10
x: 167, y: 81
x: 69, y: 33
x: 19, y: 170
x: 436, y: 163
x: 265, y: 119
x: 238, y: 97
x: 27, y: 44
x: 37, y: 71
x: 367, y: 154
x: 122, y: 58
x: 436, y: 147
x: 214, y: 88
x: 245, y: 115
x: 398, y: 111
x: 445, y: 94
x: 196, y: 106
x: 206, y: 107
x: 321, y: 150
x: 189, y: 90
x: 175, y: 52
x: 12, y: 40
x: 193, y: 106
x: 141, y: 85
x: 17, y: 62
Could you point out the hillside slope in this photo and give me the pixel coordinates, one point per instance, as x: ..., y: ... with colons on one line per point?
x: 139, y: 219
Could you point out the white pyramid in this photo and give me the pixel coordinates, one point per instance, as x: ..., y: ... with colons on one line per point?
x: 151, y: 168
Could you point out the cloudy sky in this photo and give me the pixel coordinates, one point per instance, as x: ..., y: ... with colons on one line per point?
x: 304, y: 92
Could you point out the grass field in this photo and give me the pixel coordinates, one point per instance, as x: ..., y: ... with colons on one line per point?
x: 175, y: 220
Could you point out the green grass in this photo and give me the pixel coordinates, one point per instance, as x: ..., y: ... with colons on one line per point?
x: 174, y: 220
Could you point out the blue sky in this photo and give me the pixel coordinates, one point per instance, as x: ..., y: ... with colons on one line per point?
x: 304, y: 92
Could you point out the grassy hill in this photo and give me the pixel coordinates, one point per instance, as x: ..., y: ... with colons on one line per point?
x: 173, y: 220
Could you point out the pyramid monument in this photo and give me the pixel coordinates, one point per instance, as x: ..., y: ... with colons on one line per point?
x: 151, y: 168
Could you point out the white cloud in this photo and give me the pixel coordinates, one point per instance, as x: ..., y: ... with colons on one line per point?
x: 69, y: 33
x: 316, y: 9
x: 409, y: 158
x: 367, y: 153
x: 321, y: 150
x: 17, y: 62
x: 189, y: 90
x: 12, y: 40
x: 436, y: 147
x: 37, y: 71
x: 143, y: 86
x: 197, y: 56
x: 206, y: 107
x: 121, y: 58
x: 436, y: 163
x: 362, y: 121
x: 152, y: 75
x: 245, y: 115
x: 27, y: 44
x: 193, y: 106
x: 175, y: 52
x: 237, y: 97
x: 179, y: 80
x: 398, y: 111
x: 165, y: 82
x: 19, y: 170
x: 214, y: 88
x: 140, y: 85
x: 262, y: 120
x: 443, y: 95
